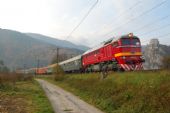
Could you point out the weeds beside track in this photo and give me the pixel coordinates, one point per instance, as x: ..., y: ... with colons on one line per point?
x: 128, y: 92
x: 21, y: 94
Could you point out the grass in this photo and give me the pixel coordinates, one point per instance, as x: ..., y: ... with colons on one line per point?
x: 23, y: 97
x: 128, y: 92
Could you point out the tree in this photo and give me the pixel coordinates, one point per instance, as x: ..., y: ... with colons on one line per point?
x: 166, y: 62
x: 58, y: 73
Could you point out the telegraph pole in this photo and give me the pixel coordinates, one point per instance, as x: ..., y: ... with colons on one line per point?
x: 24, y: 68
x: 57, y: 55
x: 57, y: 59
x: 38, y: 62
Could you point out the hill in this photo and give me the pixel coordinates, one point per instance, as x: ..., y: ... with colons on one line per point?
x: 57, y: 42
x: 19, y: 50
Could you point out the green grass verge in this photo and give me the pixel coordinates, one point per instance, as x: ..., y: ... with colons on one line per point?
x: 128, y: 92
x: 25, y: 97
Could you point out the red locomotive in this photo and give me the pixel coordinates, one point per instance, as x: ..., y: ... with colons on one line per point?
x: 121, y: 53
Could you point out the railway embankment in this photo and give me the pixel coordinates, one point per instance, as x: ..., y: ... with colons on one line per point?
x: 127, y: 92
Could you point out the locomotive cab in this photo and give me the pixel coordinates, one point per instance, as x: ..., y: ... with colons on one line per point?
x: 129, y: 54
x: 121, y: 53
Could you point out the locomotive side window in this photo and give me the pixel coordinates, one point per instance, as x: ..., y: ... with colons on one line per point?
x: 115, y: 44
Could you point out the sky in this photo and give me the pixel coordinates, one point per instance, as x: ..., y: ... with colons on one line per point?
x: 147, y: 19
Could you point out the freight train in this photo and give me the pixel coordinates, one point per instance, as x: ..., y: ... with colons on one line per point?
x: 118, y: 54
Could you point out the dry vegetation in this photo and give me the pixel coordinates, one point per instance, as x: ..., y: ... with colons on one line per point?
x: 21, y: 94
x: 166, y: 62
x: 59, y: 73
x: 7, y: 79
x: 128, y: 92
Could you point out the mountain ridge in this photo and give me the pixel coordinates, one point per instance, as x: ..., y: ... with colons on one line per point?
x: 19, y: 50
x: 57, y: 42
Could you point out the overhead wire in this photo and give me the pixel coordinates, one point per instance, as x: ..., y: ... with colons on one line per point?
x: 124, y: 12
x: 164, y: 35
x: 152, y: 23
x: 153, y: 30
x: 142, y: 14
x: 76, y: 27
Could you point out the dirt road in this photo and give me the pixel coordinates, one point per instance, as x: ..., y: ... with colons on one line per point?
x: 65, y: 102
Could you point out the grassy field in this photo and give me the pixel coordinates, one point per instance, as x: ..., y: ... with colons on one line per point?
x: 128, y: 92
x: 22, y: 97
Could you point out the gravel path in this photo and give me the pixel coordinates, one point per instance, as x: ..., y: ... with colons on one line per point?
x: 65, y: 102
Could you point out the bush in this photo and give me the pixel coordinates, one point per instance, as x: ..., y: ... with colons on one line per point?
x: 166, y: 62
x: 58, y: 73
x: 129, y: 92
x: 10, y: 79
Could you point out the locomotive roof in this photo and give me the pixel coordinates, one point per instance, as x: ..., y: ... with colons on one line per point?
x: 101, y: 45
x: 105, y: 43
x: 70, y: 60
x: 95, y: 48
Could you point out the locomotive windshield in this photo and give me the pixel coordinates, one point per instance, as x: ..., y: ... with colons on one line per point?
x: 130, y: 41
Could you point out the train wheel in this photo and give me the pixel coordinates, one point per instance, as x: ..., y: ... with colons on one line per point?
x: 121, y: 70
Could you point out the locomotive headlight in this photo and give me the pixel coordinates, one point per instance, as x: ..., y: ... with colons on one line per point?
x: 130, y: 35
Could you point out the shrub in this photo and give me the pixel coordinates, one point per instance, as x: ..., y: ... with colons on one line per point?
x: 58, y: 73
x: 9, y: 79
x: 166, y: 62
x: 129, y: 92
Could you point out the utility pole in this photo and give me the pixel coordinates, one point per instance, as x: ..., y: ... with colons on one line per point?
x: 24, y: 68
x: 57, y: 55
x: 38, y: 62
x: 57, y: 59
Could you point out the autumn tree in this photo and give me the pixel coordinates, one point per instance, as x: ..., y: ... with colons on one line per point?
x: 166, y: 62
